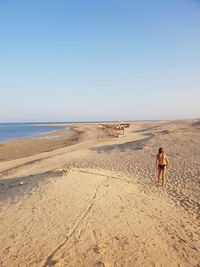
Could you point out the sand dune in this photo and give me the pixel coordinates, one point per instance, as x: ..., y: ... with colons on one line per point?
x: 105, y: 209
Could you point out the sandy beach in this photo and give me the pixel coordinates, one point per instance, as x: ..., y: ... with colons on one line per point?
x: 86, y: 199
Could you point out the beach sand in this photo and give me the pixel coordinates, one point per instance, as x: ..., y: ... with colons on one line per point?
x: 92, y: 201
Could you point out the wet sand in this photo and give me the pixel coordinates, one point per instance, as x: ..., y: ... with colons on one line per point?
x: 25, y: 147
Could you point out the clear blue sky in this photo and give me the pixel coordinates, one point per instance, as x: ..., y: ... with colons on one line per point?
x: 72, y: 60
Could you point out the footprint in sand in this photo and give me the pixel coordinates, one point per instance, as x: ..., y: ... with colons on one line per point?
x: 100, y: 264
x: 96, y: 249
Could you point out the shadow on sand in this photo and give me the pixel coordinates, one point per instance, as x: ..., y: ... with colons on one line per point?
x: 134, y: 145
x: 10, y: 188
x: 143, y: 130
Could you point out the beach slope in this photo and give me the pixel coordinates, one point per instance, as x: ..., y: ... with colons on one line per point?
x: 96, y: 202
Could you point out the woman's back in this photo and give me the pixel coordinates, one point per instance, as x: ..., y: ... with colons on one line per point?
x: 162, y: 159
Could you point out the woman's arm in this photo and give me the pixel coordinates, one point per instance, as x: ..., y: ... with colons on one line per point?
x: 167, y: 162
x: 156, y: 161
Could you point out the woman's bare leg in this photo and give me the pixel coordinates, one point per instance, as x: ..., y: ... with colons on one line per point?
x: 159, y: 176
x: 163, y: 177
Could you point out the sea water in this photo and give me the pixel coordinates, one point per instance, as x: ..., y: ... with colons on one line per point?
x: 10, y: 131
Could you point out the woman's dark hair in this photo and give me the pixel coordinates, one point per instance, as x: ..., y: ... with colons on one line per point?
x: 160, y: 150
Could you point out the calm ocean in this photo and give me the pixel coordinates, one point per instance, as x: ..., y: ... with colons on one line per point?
x: 9, y: 131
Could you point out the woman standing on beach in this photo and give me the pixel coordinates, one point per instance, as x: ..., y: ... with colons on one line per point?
x: 162, y: 163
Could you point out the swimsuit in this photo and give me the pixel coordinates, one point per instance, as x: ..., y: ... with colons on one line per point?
x: 161, y: 167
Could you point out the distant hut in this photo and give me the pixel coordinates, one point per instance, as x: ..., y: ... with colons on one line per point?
x: 114, y: 130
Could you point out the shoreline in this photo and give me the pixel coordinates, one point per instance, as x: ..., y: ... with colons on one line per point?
x: 59, y: 127
x: 36, y: 144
